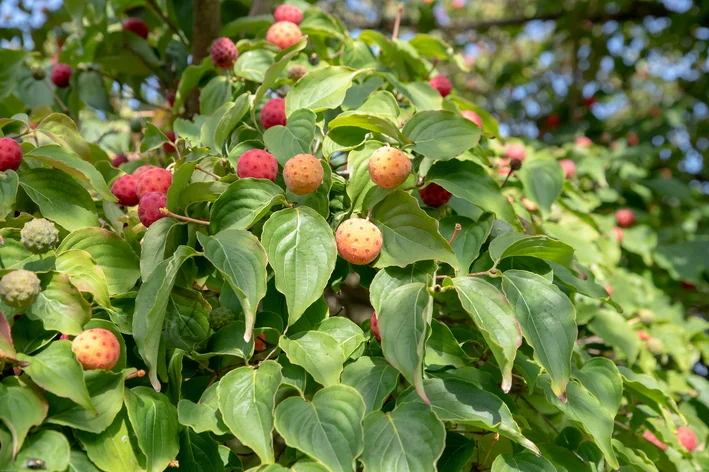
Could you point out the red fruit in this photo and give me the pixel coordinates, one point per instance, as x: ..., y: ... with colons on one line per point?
x: 149, y: 208
x: 119, y: 159
x: 442, y: 84
x: 64, y: 337
x: 61, y: 75
x: 653, y: 439
x: 273, y: 113
x: 553, y: 121
x: 609, y: 290
x: 358, y: 240
x: 689, y: 286
x: 625, y: 217
x: 374, y: 324
x: 224, y: 53
x: 687, y: 438
x: 260, y: 342
x: 633, y: 139
x: 303, y: 174
x: 142, y: 170
x: 283, y: 34
x: 257, y: 164
x: 389, y: 167
x: 529, y: 204
x: 124, y: 190
x: 167, y: 147
x: 137, y: 26
x: 171, y: 95
x: 618, y: 234
x: 643, y: 335
x: 154, y: 180
x: 96, y: 348
x: 515, y: 151
x: 288, y: 13
x: 10, y: 154
x: 434, y: 195
x: 590, y: 101
x: 583, y: 141
x: 472, y: 116
x: 569, y: 167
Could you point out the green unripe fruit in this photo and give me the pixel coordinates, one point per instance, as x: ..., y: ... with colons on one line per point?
x: 39, y: 236
x: 646, y: 316
x: 38, y: 73
x: 19, y: 288
x: 655, y: 346
x: 220, y: 317
x: 136, y: 125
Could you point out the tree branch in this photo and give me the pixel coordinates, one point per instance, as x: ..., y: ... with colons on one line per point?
x: 206, y: 26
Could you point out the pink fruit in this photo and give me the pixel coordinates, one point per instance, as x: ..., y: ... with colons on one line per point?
x: 283, y: 34
x: 529, y: 204
x: 358, y: 240
x: 168, y: 147
x: 61, y: 75
x: 643, y: 335
x: 96, y: 348
x: 653, y: 439
x: 10, y: 154
x: 137, y: 26
x: 618, y: 234
x: 625, y: 217
x: 142, y: 170
x: 609, y: 290
x: 273, y: 113
x: 583, y: 141
x: 553, y: 121
x: 303, y: 174
x: 155, y: 180
x: 124, y: 190
x: 569, y: 167
x: 374, y: 324
x: 224, y: 53
x: 257, y: 164
x: 633, y: 139
x: 687, y: 438
x: 389, y: 167
x: 472, y: 116
x: 442, y: 84
x: 434, y: 195
x: 515, y: 151
x: 119, y: 159
x: 289, y: 13
x: 149, y: 208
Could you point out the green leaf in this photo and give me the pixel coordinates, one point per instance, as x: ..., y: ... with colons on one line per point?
x: 321, y: 89
x: 228, y: 341
x: 523, y: 462
x: 198, y: 452
x: 470, y: 238
x: 391, y: 278
x: 408, y: 438
x: 360, y: 184
x: 244, y: 203
x: 60, y: 306
x: 346, y: 333
x: 186, y: 319
x: 85, y: 274
x: 410, y: 235
x: 79, y: 462
x: 154, y: 419
x: 62, y: 130
x: 301, y: 249
x: 51, y: 447
x: 318, y: 353
x: 542, y: 247
x: 457, y: 454
x: 190, y: 79
x: 442, y: 349
x: 615, y: 331
x: 21, y: 408
x: 252, y: 65
x: 441, y: 135
x: 246, y: 399
x: 153, y: 138
x: 548, y: 321
x: 114, y: 449
x: 7, y: 348
x: 328, y: 429
x: 229, y: 121
x: 296, y: 137
x: 369, y: 121
x: 204, y: 416
x: 162, y: 238
x: 214, y: 100
x: 421, y: 95
x: 648, y: 389
x: 543, y: 180
x: 8, y: 192
x: 374, y: 378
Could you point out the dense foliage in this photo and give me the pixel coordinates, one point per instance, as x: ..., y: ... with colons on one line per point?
x: 178, y: 282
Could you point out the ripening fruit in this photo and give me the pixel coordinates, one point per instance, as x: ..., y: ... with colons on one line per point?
x: 283, y: 34
x: 169, y: 147
x: 529, y: 204
x: 136, y: 125
x: 374, y: 324
x: 39, y: 235
x: 569, y: 167
x: 297, y: 72
x: 609, y: 290
x: 458, y: 4
x: 632, y: 139
x: 646, y: 316
x: 655, y: 346
x: 625, y: 217
x: 224, y: 53
x: 61, y: 75
x: 149, y: 208
x: 553, y: 121
x: 10, y: 154
x: 289, y: 13
x: 442, y: 84
x: 687, y: 438
x: 434, y: 195
x: 137, y: 26
x: 389, y: 167
x: 472, y: 116
x: 257, y: 164
x: 515, y: 151
x: 358, y: 240
x: 123, y: 189
x: 583, y: 141
x: 303, y: 174
x: 618, y: 234
x: 119, y: 159
x: 96, y: 348
x: 38, y: 73
x: 653, y: 439
x: 19, y: 288
x: 643, y: 335
x: 273, y: 113
x: 220, y: 317
x: 154, y: 180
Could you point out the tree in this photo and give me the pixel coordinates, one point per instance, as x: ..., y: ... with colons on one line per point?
x: 309, y: 251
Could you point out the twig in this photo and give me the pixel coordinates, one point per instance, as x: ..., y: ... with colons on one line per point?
x: 546, y: 420
x: 457, y: 229
x: 397, y: 22
x: 167, y: 212
x: 507, y: 178
x: 56, y: 97
x: 494, y: 440
x: 164, y: 17
x: 198, y: 167
x: 138, y: 374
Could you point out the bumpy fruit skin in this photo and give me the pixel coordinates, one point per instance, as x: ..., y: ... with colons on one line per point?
x: 297, y: 72
x: 288, y: 13
x: 442, y: 84
x: 168, y: 147
x: 303, y: 174
x: 655, y: 346
x: 515, y: 151
x: 653, y: 439
x: 149, y: 208
x: 583, y: 141
x: 123, y: 189
x: 283, y: 34
x: 10, y: 154
x: 625, y: 217
x: 472, y: 116
x: 273, y: 113
x: 257, y: 164
x: 224, y: 53
x: 96, y: 349
x: 39, y: 235
x: 143, y: 169
x: 687, y: 438
x: 374, y: 324
x: 220, y: 317
x: 569, y: 167
x: 389, y: 167
x: 358, y: 241
x: 19, y: 288
x: 61, y: 75
x: 119, y: 159
x: 434, y: 195
x: 618, y: 234
x: 154, y: 180
x: 137, y: 26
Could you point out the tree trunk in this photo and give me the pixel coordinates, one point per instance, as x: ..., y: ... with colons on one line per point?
x: 261, y: 7
x: 205, y: 29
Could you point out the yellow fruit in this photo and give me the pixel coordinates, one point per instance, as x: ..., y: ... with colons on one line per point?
x: 358, y: 241
x: 389, y: 167
x: 303, y: 174
x: 96, y: 348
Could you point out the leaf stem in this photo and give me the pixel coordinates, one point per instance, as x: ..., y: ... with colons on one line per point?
x: 167, y: 212
x: 397, y: 22
x: 457, y: 229
x: 546, y: 420
x: 56, y: 97
x: 202, y: 169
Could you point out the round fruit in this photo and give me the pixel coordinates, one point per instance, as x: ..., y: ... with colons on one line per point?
x: 220, y: 317
x: 61, y: 75
x: 618, y: 234
x: 297, y: 72
x: 374, y: 324
x: 283, y: 34
x: 124, y: 190
x: 39, y: 235
x: 119, y: 159
x: 633, y: 139
x: 515, y: 151
x: 442, y: 84
x: 273, y: 113
x: 136, y: 125
x: 625, y: 217
x: 19, y: 288
x: 434, y: 195
x: 288, y: 13
x: 137, y: 26
x: 643, y: 335
x: 143, y: 169
x: 96, y: 348
x: 583, y: 141
x: 529, y: 204
x: 257, y: 164
x: 687, y: 438
x: 358, y: 240
x: 472, y: 116
x: 168, y: 147
x: 569, y: 167
x: 389, y: 167
x: 224, y: 53
x: 149, y: 208
x: 553, y: 121
x: 38, y: 73
x: 154, y: 180
x: 10, y: 154
x: 303, y: 174
x: 609, y: 290
x: 646, y: 316
x: 655, y: 346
